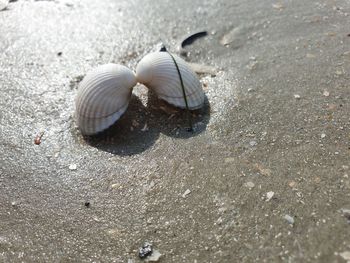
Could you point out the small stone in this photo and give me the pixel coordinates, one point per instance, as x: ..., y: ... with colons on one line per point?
x: 331, y: 34
x: 186, y: 193
x: 308, y: 55
x: 278, y: 6
x: 297, y: 96
x: 269, y: 195
x: 154, y: 257
x: 339, y: 72
x: 346, y: 213
x: 114, y: 232
x: 145, y: 250
x: 87, y: 204
x: 317, y: 179
x: 252, y: 65
x: 37, y: 139
x: 219, y: 221
x: 292, y: 184
x: 72, y: 167
x: 203, y: 69
x: 135, y: 123
x: 145, y: 128
x: 289, y: 219
x: 229, y: 160
x: 151, y: 184
x: 262, y: 170
x: 96, y: 219
x: 345, y: 255
x: 323, y: 135
x: 253, y: 143
x: 115, y: 186
x: 250, y: 185
x: 325, y: 93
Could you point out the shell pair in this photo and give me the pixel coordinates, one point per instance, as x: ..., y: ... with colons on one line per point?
x: 104, y: 93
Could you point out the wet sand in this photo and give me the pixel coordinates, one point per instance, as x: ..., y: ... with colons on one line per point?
x: 263, y: 178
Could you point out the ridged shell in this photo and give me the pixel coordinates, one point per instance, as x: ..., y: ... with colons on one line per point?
x: 103, y: 96
x: 158, y: 72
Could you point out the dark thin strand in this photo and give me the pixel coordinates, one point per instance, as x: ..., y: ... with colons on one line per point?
x: 189, y: 116
x: 191, y: 38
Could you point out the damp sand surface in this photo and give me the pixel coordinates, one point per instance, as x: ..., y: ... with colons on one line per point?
x: 263, y: 178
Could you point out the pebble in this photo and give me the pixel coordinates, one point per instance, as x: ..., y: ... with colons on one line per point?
x: 345, y: 255
x: 262, y: 170
x: 37, y: 139
x: 145, y: 128
x: 186, y: 193
x: 114, y: 232
x: 289, y: 219
x: 249, y: 185
x: 146, y: 250
x: 154, y: 257
x: 308, y: 55
x: 72, y: 167
x: 135, y: 123
x: 292, y: 184
x: 278, y: 6
x: 346, y: 213
x: 229, y: 160
x: 323, y: 135
x: 325, y: 93
x: 297, y: 96
x: 339, y: 72
x: 115, y: 186
x: 253, y: 143
x: 269, y: 195
x: 203, y: 69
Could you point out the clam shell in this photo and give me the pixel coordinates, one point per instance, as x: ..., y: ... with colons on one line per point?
x: 103, y: 96
x: 3, y: 4
x: 158, y: 72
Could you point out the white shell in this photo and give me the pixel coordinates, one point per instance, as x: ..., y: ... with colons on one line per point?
x: 158, y: 72
x: 103, y: 96
x: 3, y: 4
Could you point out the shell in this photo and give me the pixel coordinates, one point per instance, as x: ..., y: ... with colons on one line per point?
x: 158, y: 72
x: 3, y: 4
x: 103, y: 96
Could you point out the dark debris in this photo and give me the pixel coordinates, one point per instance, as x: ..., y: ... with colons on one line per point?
x: 146, y: 250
